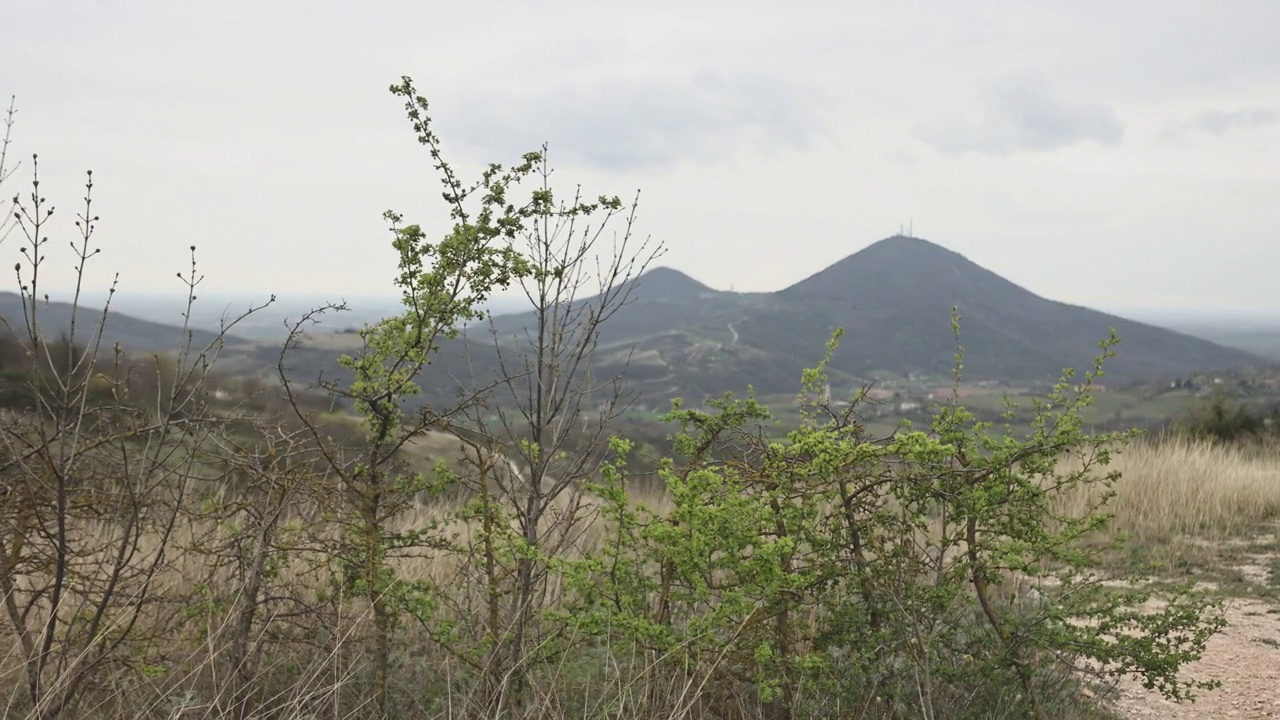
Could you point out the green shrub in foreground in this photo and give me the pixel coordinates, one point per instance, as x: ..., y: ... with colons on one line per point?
x: 915, y: 576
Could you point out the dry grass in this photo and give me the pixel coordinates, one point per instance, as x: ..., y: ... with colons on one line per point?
x: 1174, y: 489
x: 1173, y: 493
x: 1177, y: 488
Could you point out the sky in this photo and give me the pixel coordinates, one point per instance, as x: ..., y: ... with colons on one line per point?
x: 1124, y: 156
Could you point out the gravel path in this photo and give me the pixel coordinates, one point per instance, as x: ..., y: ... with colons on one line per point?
x: 1245, y: 657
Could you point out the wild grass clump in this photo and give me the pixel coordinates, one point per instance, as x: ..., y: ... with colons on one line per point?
x: 1178, y: 487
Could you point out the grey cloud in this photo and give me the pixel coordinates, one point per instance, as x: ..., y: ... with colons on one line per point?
x: 645, y: 122
x: 1219, y: 122
x: 1025, y: 115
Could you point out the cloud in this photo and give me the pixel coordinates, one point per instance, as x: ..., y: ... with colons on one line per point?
x: 1024, y: 115
x: 1219, y: 122
x: 630, y: 123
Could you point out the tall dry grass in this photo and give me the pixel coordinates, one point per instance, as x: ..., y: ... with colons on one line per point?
x: 1176, y: 487
x: 1170, y: 489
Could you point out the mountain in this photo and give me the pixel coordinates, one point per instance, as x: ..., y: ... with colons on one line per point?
x: 654, y: 300
x: 894, y: 299
x: 133, y: 334
x: 664, y: 283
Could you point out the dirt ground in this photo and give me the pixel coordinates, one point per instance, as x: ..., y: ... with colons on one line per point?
x: 1245, y: 658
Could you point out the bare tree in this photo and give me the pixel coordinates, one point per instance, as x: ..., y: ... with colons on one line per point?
x: 97, y: 477
x: 538, y: 441
x: 6, y: 207
x: 442, y: 284
x: 255, y: 542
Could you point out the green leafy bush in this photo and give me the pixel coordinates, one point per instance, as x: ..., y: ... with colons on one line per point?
x: 914, y: 577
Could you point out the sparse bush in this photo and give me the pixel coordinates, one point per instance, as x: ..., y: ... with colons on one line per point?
x: 94, y: 491
x: 1227, y: 420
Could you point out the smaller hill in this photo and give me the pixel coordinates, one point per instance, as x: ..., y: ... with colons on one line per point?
x: 133, y: 334
x: 656, y: 298
x: 664, y: 283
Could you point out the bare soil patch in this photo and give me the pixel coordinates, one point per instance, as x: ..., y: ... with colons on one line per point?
x: 1245, y: 658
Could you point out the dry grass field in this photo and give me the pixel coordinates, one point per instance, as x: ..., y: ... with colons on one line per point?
x: 1189, y: 510
x: 1181, y: 488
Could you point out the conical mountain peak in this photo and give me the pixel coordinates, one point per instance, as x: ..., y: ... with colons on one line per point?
x: 898, y: 262
x: 667, y: 283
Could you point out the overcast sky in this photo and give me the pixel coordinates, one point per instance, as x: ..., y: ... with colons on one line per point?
x: 1118, y: 155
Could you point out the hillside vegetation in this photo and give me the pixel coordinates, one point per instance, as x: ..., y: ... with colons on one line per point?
x: 893, y: 299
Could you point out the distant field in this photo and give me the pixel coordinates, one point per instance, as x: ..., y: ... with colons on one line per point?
x: 1259, y: 341
x: 1135, y: 407
x: 338, y: 342
x: 1125, y: 408
x: 1113, y: 407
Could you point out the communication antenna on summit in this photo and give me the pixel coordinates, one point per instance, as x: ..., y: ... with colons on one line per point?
x: 911, y: 230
